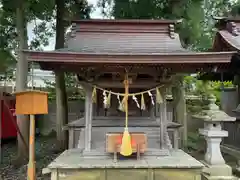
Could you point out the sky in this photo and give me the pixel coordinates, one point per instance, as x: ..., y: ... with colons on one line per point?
x: 96, y: 14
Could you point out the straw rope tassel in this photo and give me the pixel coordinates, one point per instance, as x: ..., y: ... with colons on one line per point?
x: 159, y: 98
x: 122, y: 105
x: 94, y: 95
x: 126, y: 146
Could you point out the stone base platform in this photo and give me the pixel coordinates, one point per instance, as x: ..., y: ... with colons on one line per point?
x: 218, y: 172
x: 73, y: 164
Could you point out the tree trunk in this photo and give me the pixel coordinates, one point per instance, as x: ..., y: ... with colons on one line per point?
x: 61, y: 96
x: 21, y: 77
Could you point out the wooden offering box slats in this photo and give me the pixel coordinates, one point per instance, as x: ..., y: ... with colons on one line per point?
x: 31, y: 102
x: 138, y: 139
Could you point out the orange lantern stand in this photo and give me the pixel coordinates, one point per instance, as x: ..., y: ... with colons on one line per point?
x: 30, y: 103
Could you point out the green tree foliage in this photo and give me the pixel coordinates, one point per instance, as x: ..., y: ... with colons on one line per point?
x: 74, y: 91
x: 203, y: 89
x: 35, y: 10
x: 236, y: 9
x: 42, y: 14
x: 7, y: 33
x: 196, y: 30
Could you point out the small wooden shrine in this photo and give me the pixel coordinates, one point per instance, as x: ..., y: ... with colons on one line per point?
x: 227, y: 38
x: 100, y: 52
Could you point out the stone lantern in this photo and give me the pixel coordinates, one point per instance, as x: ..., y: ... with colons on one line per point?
x: 213, y: 134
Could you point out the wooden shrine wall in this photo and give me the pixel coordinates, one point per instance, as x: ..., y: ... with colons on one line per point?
x: 99, y: 133
x: 228, y: 103
x: 114, y: 111
x: 76, y: 111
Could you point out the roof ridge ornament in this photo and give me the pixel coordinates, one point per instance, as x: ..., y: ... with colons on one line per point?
x: 171, y: 31
x: 232, y: 28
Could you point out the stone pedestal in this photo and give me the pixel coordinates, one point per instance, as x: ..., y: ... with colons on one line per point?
x: 213, y: 135
x: 216, y: 168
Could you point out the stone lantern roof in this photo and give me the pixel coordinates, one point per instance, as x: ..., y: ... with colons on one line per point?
x: 213, y: 113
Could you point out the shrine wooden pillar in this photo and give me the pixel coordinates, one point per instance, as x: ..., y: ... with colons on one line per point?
x: 180, y: 111
x: 164, y: 137
x: 88, y: 118
x: 162, y: 118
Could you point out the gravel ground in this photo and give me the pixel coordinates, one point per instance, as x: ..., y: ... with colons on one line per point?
x: 45, y: 153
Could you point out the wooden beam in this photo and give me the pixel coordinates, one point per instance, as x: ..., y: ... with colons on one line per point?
x: 147, y: 68
x: 112, y: 84
x: 203, y: 58
x: 141, y: 84
x: 119, y: 71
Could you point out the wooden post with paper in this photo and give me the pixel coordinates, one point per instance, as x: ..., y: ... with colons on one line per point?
x: 31, y: 103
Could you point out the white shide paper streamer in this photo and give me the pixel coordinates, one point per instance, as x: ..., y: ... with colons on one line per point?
x: 151, y: 96
x: 136, y: 101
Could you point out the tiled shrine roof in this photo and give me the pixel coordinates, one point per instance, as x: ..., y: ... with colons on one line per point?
x: 124, y: 36
x: 146, y: 42
x: 228, y: 34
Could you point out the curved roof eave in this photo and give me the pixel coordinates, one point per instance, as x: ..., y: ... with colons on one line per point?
x: 229, y: 39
